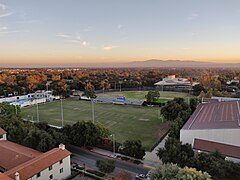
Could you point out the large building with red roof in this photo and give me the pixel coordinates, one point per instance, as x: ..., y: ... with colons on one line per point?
x: 214, y: 126
x: 21, y: 163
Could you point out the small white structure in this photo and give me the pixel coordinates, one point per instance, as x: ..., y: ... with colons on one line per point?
x: 171, y: 80
x: 3, y: 134
x: 217, y: 122
x: 38, y: 97
x: 233, y: 82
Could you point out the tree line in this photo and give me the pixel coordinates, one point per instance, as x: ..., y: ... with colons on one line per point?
x: 183, y: 155
x: 62, y: 81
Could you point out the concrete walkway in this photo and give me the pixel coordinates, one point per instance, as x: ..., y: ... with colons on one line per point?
x: 151, y: 159
x: 152, y: 156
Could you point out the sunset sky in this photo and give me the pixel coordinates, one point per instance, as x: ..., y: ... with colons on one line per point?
x: 108, y: 31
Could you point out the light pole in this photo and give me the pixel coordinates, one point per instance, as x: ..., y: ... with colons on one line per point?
x: 113, y: 141
x: 62, y: 111
x: 120, y: 86
x: 37, y: 113
x: 93, y: 115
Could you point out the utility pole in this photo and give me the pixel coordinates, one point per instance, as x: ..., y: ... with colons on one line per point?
x: 62, y: 111
x: 113, y: 141
x: 93, y: 115
x: 37, y: 113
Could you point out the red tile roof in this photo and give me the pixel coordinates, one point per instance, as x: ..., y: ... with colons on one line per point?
x: 38, y: 164
x: 219, y: 115
x: 12, y: 154
x: 2, y: 132
x: 211, y: 146
x: 4, y: 177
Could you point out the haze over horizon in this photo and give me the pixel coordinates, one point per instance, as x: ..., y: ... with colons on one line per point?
x: 87, y: 32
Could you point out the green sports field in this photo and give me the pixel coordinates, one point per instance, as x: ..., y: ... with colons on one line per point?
x: 165, y: 95
x: 126, y: 122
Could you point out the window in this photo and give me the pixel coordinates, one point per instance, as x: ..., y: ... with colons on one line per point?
x: 50, y: 168
x: 38, y: 175
x: 61, y: 170
x: 1, y: 136
x: 51, y: 176
x: 61, y: 161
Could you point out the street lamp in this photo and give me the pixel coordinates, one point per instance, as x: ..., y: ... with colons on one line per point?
x: 37, y: 111
x: 93, y: 115
x: 120, y: 86
x: 62, y: 111
x: 113, y: 141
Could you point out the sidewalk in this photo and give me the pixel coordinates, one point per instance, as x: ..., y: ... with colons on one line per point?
x: 152, y: 156
x: 150, y: 164
x: 104, y: 152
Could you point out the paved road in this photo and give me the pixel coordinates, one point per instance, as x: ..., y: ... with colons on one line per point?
x: 88, y: 158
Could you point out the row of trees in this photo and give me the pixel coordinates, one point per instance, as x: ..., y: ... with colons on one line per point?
x: 42, y: 137
x: 175, y: 152
x: 212, y: 163
x: 178, y: 111
x: 171, y: 171
x: 26, y: 81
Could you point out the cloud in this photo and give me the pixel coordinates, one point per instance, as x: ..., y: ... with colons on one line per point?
x: 6, y: 14
x: 3, y: 7
x: 3, y: 28
x: 3, y: 11
x: 62, y: 35
x: 73, y: 39
x: 84, y: 43
x: 109, y: 48
x: 193, y: 16
x: 13, y: 31
x: 194, y: 33
x: 119, y: 26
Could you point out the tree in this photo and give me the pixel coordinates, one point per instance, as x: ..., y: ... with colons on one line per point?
x: 165, y: 171
x: 152, y: 96
x: 103, y: 131
x: 106, y: 166
x: 84, y: 133
x: 197, y: 89
x: 60, y: 88
x: 187, y: 173
x: 173, y: 172
x: 176, y: 152
x: 89, y: 91
x: 105, y: 85
x: 193, y: 103
x: 209, y: 93
x: 133, y: 148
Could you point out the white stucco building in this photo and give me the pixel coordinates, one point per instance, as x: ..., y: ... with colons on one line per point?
x: 171, y: 80
x: 3, y: 134
x: 214, y: 126
x: 22, y: 163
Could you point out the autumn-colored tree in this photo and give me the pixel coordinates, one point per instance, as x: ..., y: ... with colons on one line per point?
x: 89, y: 90
x: 105, y: 85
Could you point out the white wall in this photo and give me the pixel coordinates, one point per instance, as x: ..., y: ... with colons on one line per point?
x: 55, y: 171
x: 226, y: 136
x: 4, y: 137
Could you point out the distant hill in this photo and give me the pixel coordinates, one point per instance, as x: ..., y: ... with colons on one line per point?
x: 179, y: 63
x: 153, y: 63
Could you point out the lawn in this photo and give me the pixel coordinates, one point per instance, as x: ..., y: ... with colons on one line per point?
x: 165, y: 95
x: 126, y: 122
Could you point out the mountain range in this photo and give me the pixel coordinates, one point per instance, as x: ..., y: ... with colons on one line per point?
x: 153, y: 63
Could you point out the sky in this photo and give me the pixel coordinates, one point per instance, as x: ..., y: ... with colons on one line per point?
x: 108, y: 31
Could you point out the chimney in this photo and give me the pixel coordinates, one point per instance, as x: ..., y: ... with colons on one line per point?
x: 61, y: 146
x: 17, y: 176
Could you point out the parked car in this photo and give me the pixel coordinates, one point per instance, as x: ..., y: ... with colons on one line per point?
x: 141, y: 176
